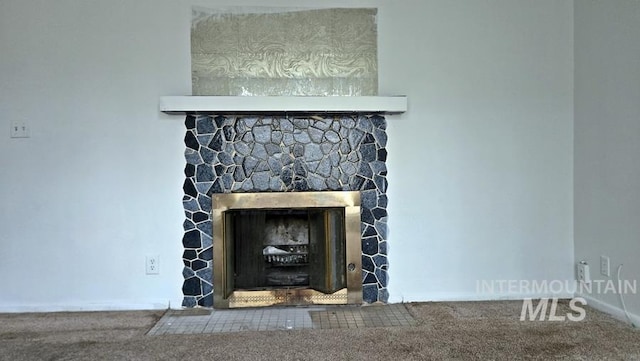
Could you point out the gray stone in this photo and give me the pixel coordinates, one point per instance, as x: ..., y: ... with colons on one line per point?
x: 348, y: 168
x: 236, y: 186
x: 261, y: 180
x: 259, y: 151
x: 365, y: 171
x: 250, y: 121
x: 228, y: 147
x: 364, y: 124
x: 187, y: 225
x: 378, y: 167
x: 286, y: 125
x: 240, y: 127
x: 249, y: 165
x: 381, y: 137
x: 312, y: 166
x: 336, y: 172
x: 297, y: 150
x: 301, y: 123
x: 344, y: 147
x: 344, y: 179
x: 316, y: 182
x: 381, y: 275
x: 312, y: 152
x: 335, y: 158
x: 380, y: 260
x: 229, y: 133
x: 204, y: 173
x: 287, y: 176
x: 191, y: 205
x: 381, y: 183
x: 323, y: 124
x: 247, y: 185
x: 369, y: 199
x: 189, y: 301
x: 227, y: 181
x: 187, y: 272
x: 355, y: 137
x: 301, y: 136
x: 275, y: 184
x: 288, y: 140
x: 238, y: 174
x: 287, y: 159
x: 242, y: 148
x: 276, y: 137
x: 299, y: 168
x: 248, y: 137
x: 336, y: 126
x: 208, y: 155
x: 332, y: 136
x: 203, y: 187
x: 226, y: 159
x: 348, y: 122
x: 206, y: 274
x: 205, y: 126
x: 369, y: 152
x: 263, y: 166
x: 204, y: 139
x: 326, y: 148
x: 381, y: 228
x: 275, y: 165
x: 205, y: 227
x: 267, y: 121
x: 316, y: 134
x: 262, y: 133
x: 344, y: 132
x: 192, y: 157
x: 272, y: 149
x: 333, y: 184
x: 204, y: 202
x: 324, y: 167
x: 353, y: 157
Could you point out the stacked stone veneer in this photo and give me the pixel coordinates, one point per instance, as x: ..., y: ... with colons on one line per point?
x: 230, y: 154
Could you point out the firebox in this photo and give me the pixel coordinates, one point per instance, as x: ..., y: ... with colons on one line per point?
x: 286, y: 248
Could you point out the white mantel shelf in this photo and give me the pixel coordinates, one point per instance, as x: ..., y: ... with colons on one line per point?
x: 283, y: 104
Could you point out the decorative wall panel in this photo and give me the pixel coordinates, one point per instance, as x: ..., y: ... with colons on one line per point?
x: 284, y: 52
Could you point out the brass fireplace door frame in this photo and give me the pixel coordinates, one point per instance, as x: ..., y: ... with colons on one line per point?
x: 224, y: 295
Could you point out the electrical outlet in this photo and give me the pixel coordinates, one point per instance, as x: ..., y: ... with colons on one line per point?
x: 583, y: 272
x: 604, y: 266
x: 153, y: 265
x: 19, y: 129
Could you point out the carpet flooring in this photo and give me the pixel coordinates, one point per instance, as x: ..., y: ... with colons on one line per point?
x: 442, y: 331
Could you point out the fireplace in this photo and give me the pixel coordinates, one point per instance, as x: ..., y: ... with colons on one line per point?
x: 286, y: 249
x: 262, y: 147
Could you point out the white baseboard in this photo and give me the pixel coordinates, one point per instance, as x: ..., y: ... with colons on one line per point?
x: 614, y: 311
x: 471, y: 296
x: 86, y: 307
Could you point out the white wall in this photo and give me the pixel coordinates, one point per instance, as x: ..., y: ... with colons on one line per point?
x: 480, y: 167
x: 607, y: 141
x: 489, y: 134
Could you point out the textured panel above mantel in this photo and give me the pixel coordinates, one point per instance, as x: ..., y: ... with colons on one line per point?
x: 283, y: 104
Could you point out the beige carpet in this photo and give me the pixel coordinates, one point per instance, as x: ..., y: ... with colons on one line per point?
x: 445, y: 331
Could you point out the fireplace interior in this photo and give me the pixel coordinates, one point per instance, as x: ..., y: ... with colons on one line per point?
x: 287, y: 248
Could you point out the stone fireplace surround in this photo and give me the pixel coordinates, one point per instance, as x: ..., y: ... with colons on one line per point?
x: 280, y: 153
